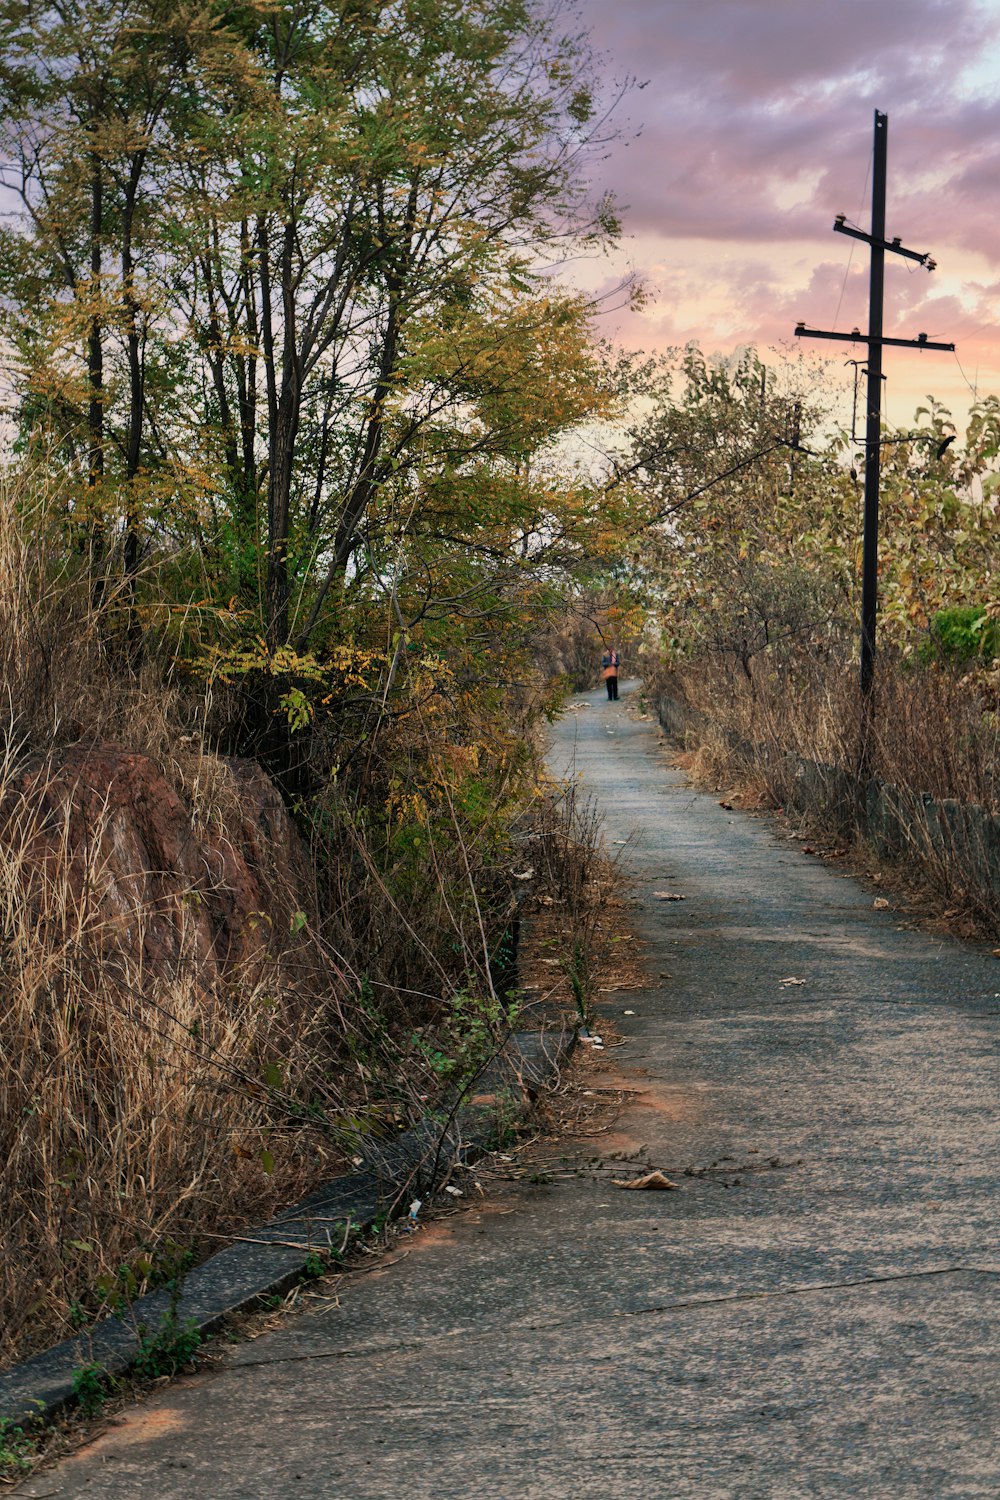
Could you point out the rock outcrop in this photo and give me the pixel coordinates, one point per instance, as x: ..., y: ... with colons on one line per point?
x: 96, y: 836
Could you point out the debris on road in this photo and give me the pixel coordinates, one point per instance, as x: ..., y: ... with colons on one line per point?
x: 652, y: 1182
x: 791, y: 980
x: 668, y: 896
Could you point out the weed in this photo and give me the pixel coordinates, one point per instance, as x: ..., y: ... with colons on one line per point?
x: 577, y: 971
x: 91, y: 1386
x: 314, y: 1266
x: 169, y: 1349
x: 505, y: 1123
x: 18, y: 1447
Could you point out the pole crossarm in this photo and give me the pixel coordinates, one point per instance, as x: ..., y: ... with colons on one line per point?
x: 857, y: 337
x: 876, y: 342
x: 841, y: 226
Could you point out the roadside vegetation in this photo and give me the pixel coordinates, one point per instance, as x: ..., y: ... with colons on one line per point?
x: 292, y: 376
x: 754, y: 588
x: 304, y: 532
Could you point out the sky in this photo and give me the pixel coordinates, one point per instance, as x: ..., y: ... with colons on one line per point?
x: 754, y: 128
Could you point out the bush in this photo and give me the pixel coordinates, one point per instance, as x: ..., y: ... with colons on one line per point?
x: 933, y: 733
x: 962, y: 635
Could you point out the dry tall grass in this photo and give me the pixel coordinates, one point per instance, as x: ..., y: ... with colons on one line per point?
x: 146, y: 1112
x: 137, y: 1113
x: 933, y: 734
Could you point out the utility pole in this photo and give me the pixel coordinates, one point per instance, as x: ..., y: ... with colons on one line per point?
x: 876, y: 343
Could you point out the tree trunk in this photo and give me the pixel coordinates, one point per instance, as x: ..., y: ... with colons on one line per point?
x: 95, y: 381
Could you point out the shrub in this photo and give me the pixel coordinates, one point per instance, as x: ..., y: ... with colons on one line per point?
x: 961, y: 635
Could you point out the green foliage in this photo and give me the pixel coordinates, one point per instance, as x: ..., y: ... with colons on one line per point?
x: 577, y: 969
x: 320, y: 1262
x: 278, y: 298
x: 314, y: 1266
x: 506, y: 1119
x: 287, y: 343
x: 114, y: 1291
x: 167, y: 1351
x: 18, y: 1448
x: 91, y: 1387
x: 468, y: 1036
x: 962, y: 634
x: 758, y: 549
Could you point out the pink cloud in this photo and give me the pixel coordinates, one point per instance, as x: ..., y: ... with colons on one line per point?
x: 746, y: 96
x: 755, y: 130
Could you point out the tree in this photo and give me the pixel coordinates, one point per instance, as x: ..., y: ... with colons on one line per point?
x: 283, y: 292
x: 86, y: 90
x: 367, y: 201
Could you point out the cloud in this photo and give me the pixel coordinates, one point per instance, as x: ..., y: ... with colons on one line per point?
x: 755, y: 129
x: 748, y: 98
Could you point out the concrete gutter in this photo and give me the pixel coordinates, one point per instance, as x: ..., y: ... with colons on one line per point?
x: 269, y: 1260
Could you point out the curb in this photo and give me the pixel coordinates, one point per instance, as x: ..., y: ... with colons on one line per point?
x: 272, y: 1258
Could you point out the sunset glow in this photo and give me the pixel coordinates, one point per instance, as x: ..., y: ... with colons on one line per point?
x: 755, y: 129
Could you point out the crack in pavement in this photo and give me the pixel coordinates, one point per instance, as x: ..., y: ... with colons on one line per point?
x: 471, y: 1334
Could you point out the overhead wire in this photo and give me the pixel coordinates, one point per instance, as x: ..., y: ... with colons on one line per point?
x: 972, y: 388
x: 850, y: 258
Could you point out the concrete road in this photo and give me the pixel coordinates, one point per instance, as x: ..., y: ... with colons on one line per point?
x: 812, y: 1313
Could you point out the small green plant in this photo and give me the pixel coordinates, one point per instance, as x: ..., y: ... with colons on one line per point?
x: 470, y: 1034
x: 577, y: 971
x: 18, y: 1447
x: 91, y: 1384
x: 167, y: 1351
x: 115, y: 1291
x: 78, y: 1316
x: 506, y: 1117
x: 314, y: 1266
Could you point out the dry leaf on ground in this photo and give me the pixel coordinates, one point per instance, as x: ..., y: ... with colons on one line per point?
x: 668, y: 896
x: 792, y: 980
x: 880, y: 904
x: 652, y: 1182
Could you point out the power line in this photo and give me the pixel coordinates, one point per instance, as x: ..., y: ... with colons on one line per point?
x: 972, y: 388
x: 847, y: 272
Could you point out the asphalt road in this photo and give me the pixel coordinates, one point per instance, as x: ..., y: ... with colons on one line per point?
x: 812, y: 1313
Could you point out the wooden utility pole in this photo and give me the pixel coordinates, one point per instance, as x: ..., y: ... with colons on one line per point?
x: 873, y: 418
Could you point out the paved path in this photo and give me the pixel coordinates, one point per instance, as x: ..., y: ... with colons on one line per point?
x: 815, y: 1316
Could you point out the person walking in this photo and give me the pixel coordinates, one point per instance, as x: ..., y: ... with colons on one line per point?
x: 609, y: 671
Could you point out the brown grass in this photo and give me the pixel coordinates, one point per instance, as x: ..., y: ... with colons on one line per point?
x: 139, y: 1117
x: 933, y: 734
x: 147, y: 1114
